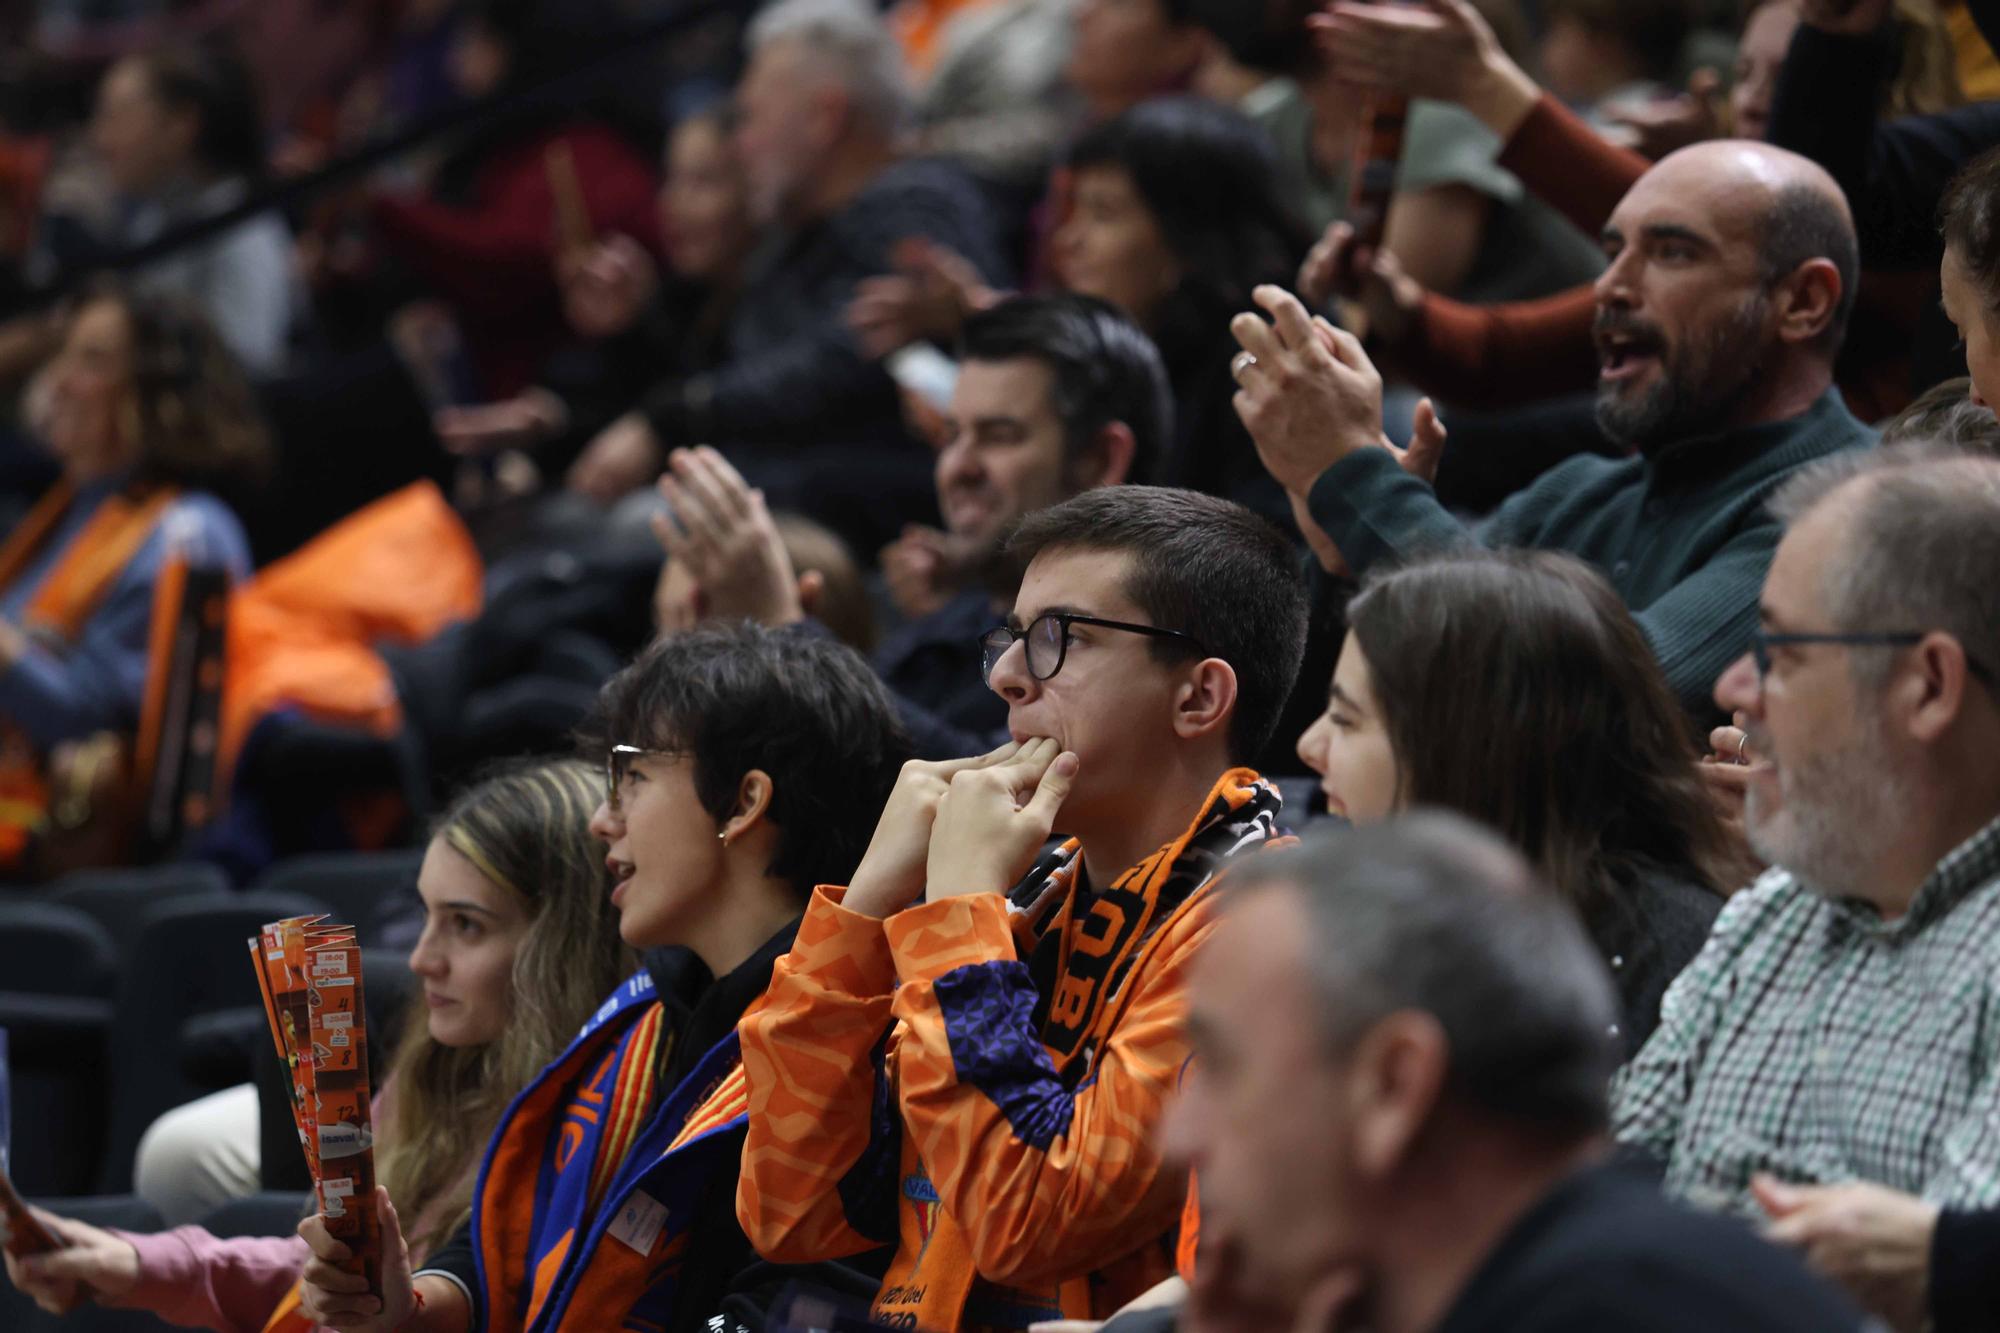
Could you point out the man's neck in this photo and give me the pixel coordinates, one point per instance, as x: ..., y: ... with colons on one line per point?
x: 1784, y: 392
x: 1933, y: 826
x: 1450, y: 1223
x: 848, y: 170
x: 1173, y: 797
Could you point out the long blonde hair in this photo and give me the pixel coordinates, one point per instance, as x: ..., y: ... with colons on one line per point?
x: 527, y: 830
x: 1926, y: 79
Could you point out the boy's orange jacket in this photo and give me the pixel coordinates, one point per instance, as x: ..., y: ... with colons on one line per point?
x: 981, y: 1081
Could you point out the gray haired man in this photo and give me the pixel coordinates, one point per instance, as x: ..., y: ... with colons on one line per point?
x: 821, y: 111
x: 1396, y: 1111
x: 1840, y: 1024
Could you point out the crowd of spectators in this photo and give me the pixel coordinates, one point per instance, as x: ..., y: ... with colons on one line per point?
x: 982, y: 677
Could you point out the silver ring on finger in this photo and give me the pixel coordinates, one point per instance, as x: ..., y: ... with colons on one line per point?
x: 1239, y: 363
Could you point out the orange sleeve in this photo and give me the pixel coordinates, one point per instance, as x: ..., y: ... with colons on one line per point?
x: 1570, y: 166
x: 1502, y: 355
x: 1047, y: 1182
x: 819, y: 1160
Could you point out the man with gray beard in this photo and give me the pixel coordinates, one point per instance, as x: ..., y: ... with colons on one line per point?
x: 1840, y: 1023
x: 1732, y: 275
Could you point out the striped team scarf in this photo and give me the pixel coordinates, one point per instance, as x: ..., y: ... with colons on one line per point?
x: 581, y: 1217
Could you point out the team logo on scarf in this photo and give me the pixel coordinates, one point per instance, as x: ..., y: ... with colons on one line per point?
x: 923, y: 1196
x: 1082, y: 961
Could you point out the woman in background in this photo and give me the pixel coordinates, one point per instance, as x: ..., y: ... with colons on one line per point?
x: 1516, y: 689
x: 520, y: 942
x: 149, y: 417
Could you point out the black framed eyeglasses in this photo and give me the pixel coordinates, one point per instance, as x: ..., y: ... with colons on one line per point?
x: 1763, y: 641
x: 1046, y: 640
x: 618, y: 762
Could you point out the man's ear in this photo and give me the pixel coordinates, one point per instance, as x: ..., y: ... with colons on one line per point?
x: 1807, y: 300
x: 1107, y: 460
x: 1396, y: 1076
x: 753, y: 803
x: 1207, y: 701
x: 1931, y: 694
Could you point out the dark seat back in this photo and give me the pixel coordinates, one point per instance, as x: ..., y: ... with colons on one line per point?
x: 190, y: 958
x: 119, y: 900
x: 57, y: 973
x: 47, y: 948
x: 355, y: 886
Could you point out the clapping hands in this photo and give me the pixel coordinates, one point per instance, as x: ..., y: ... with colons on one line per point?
x: 725, y: 557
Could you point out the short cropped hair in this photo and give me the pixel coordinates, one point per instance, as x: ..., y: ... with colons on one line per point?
x: 1804, y: 224
x: 809, y: 712
x: 1431, y: 912
x: 851, y: 41
x: 1922, y: 545
x: 1103, y: 368
x: 1202, y: 565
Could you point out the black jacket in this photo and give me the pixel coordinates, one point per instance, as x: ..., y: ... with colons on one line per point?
x: 792, y: 372
x: 1893, y: 170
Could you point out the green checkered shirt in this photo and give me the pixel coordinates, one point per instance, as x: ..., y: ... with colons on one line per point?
x: 1815, y: 1041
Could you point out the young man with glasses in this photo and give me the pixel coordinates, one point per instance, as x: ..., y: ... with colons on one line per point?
x: 968, y: 1049
x: 1839, y: 1025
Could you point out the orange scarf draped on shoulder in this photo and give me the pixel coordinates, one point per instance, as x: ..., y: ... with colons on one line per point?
x: 98, y: 555
x: 58, y: 610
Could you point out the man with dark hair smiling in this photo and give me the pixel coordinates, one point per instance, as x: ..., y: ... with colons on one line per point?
x: 1056, y: 395
x: 1732, y: 274
x: 968, y: 1049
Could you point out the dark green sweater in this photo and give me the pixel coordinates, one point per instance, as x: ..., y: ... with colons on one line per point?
x: 1682, y: 533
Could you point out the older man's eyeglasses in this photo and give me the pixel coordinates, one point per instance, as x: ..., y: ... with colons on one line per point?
x: 1763, y: 641
x: 1046, y: 641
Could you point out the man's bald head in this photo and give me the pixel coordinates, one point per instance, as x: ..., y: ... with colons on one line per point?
x: 1790, y: 204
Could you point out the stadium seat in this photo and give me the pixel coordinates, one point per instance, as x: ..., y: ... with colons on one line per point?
x: 58, y: 969
x: 118, y: 900
x: 355, y: 886
x: 190, y: 958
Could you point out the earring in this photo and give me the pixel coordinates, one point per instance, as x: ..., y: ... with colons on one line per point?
x: 723, y: 837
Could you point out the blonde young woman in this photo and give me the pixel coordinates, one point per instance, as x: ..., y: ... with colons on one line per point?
x: 520, y: 942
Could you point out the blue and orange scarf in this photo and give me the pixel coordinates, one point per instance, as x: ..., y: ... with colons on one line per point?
x: 585, y: 1203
